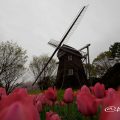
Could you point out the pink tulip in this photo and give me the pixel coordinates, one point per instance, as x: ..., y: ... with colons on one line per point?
x: 39, y: 106
x: 62, y: 103
x: 68, y: 95
x: 51, y: 94
x: 52, y: 116
x: 49, y: 102
x: 55, y: 117
x: 91, y: 89
x: 85, y: 89
x: 33, y: 97
x: 86, y: 104
x: 110, y: 97
x: 17, y: 111
x: 99, y: 90
x: 110, y: 92
x: 18, y: 107
x: 112, y: 113
x: 19, y: 91
x: 41, y: 97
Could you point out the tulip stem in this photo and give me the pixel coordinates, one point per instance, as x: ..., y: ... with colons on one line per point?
x: 86, y: 118
x: 68, y: 111
x: 53, y: 106
x: 91, y: 117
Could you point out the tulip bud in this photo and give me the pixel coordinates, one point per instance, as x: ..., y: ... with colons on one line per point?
x: 51, y: 94
x: 85, y: 89
x: 99, y: 90
x: 52, y: 116
x: 86, y: 104
x: 18, y: 106
x: 68, y: 95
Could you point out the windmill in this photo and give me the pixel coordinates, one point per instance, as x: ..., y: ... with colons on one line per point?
x: 60, y: 47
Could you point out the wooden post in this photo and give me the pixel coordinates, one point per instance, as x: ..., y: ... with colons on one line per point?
x: 88, y: 62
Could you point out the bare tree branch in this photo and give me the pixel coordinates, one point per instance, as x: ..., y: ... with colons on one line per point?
x: 12, y: 60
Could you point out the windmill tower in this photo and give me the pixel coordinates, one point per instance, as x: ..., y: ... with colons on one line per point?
x: 72, y: 55
x: 70, y: 72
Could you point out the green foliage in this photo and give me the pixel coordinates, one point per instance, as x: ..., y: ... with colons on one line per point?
x: 115, y: 50
x: 60, y: 94
x: 102, y: 55
x: 102, y: 62
x: 34, y: 91
x: 112, y: 77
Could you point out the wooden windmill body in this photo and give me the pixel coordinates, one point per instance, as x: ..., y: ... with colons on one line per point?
x: 70, y: 70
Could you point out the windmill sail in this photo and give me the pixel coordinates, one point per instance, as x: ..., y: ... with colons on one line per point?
x: 55, y: 43
x: 76, y: 24
x: 84, y: 47
x: 61, y: 42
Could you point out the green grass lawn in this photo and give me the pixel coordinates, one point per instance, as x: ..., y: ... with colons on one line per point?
x: 34, y: 91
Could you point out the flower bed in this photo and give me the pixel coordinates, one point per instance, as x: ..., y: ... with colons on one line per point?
x: 93, y: 102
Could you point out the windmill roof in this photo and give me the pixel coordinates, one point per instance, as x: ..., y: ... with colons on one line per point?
x: 65, y: 49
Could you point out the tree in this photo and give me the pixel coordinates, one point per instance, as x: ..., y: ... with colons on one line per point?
x: 91, y: 68
x: 12, y: 60
x: 115, y: 50
x: 112, y: 77
x: 37, y: 64
x: 106, y: 59
x: 102, y: 63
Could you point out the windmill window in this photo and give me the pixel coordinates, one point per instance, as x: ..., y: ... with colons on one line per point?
x: 70, y: 71
x: 70, y: 58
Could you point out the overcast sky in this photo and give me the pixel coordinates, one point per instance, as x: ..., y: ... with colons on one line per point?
x: 32, y: 23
